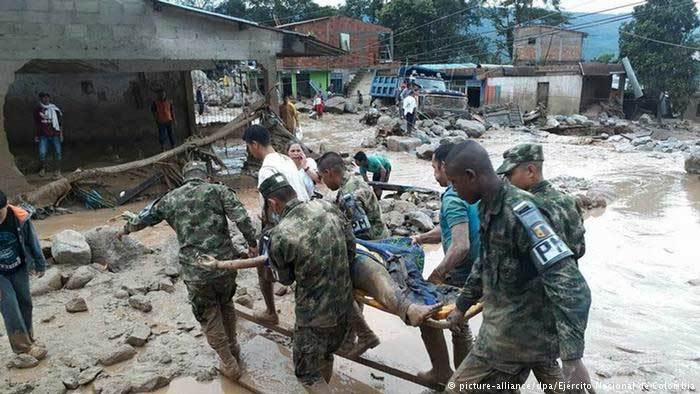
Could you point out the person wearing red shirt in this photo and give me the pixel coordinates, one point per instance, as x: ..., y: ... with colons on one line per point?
x: 48, y: 119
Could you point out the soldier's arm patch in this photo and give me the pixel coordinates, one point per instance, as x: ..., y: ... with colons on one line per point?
x: 547, y: 248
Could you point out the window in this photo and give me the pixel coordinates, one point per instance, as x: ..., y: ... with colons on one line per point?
x: 345, y: 41
x: 532, y: 40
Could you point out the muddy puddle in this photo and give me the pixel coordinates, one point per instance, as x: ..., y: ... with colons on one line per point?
x: 641, y: 263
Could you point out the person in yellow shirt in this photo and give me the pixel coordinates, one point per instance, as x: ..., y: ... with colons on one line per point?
x: 289, y: 115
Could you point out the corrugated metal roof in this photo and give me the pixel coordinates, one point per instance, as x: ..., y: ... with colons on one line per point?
x: 592, y: 69
x: 304, y: 22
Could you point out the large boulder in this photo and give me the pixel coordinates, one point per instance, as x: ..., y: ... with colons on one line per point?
x: 388, y: 124
x: 692, y: 162
x: 438, y: 129
x: 52, y: 280
x: 402, y: 144
x: 108, y: 250
x: 70, y: 247
x: 335, y: 105
x: 350, y: 108
x: 473, y: 128
x: 393, y: 219
x: 420, y: 220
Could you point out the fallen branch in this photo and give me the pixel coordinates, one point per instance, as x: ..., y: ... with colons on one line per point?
x: 401, y: 188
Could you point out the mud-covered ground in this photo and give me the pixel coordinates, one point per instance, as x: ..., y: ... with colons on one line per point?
x: 641, y: 265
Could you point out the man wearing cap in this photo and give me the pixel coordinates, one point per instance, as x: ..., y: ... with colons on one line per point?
x: 522, y: 165
x: 198, y: 212
x: 318, y: 259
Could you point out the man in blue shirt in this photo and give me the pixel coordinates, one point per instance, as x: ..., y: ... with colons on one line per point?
x: 459, y: 234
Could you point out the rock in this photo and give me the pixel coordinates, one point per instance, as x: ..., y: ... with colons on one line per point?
x: 149, y: 381
x: 456, y: 139
x: 389, y: 124
x: 171, y: 271
x: 641, y: 141
x: 139, y: 335
x: 386, y: 205
x: 70, y: 380
x: 52, y: 280
x: 107, y: 250
x: 645, y: 119
x: 133, y: 287
x: 335, y: 105
x: 551, y: 122
x: 166, y: 285
x: 420, y: 220
x: 141, y: 303
x: 438, y: 130
x: 70, y: 247
x: 88, y: 375
x: 117, y: 355
x: 473, y: 128
x: 22, y: 361
x: 76, y: 305
x: 402, y: 232
x: 421, y: 135
x: 692, y: 162
x: 426, y: 151
x: 246, y: 300
x: 403, y: 207
x: 402, y: 144
x: 393, y: 219
x: 48, y: 319
x: 579, y: 119
x: 616, y: 138
x: 369, y: 142
x: 427, y: 123
x: 693, y: 282
x: 80, y: 277
x: 121, y: 294
x: 648, y: 147
x: 349, y: 108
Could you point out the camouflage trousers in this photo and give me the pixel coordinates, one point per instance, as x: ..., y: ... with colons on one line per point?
x: 16, y: 308
x: 313, y: 350
x: 477, y: 375
x: 212, y: 306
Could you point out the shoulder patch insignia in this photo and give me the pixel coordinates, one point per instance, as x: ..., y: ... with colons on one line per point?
x: 547, y: 247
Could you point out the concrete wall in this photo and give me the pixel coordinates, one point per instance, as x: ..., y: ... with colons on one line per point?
x: 103, y: 113
x: 595, y: 89
x: 564, y: 92
x: 542, y: 44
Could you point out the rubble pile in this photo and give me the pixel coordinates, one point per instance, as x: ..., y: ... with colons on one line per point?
x: 410, y: 213
x: 216, y: 94
x: 589, y: 195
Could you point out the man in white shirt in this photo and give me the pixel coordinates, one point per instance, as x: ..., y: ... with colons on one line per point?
x: 409, y: 110
x: 257, y: 139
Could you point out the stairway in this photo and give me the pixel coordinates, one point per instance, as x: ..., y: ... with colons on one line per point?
x: 361, y: 81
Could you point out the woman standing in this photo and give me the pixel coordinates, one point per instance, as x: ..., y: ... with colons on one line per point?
x: 307, y: 166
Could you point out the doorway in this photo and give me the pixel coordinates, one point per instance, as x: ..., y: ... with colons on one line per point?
x: 543, y: 94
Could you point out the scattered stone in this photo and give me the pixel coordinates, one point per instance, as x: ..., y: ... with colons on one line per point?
x: 350, y: 108
x: 616, y: 138
x: 402, y: 207
x: 80, y: 277
x: 133, y: 287
x: 150, y: 381
x: 107, y: 250
x: 402, y: 232
x: 420, y: 220
x: 694, y: 282
x: 427, y: 123
x: 426, y: 151
x: 22, y: 361
x: 139, y: 335
x: 245, y: 300
x: 141, y: 303
x: 473, y: 128
x: 48, y: 319
x: 88, y: 375
x: 645, y: 119
x: 76, y: 305
x: 117, y: 355
x: 171, y: 271
x: 70, y: 247
x: 114, y: 333
x: 692, y: 162
x: 393, y: 219
x: 641, y: 141
x: 438, y: 130
x: 52, y: 280
x: 551, y: 123
x: 369, y: 142
x: 402, y: 144
x: 166, y: 285
x: 70, y: 380
x: 241, y: 290
x: 121, y: 294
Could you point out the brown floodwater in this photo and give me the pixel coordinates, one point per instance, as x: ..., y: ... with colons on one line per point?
x: 642, y: 263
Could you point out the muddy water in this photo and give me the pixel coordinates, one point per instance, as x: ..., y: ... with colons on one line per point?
x: 640, y: 258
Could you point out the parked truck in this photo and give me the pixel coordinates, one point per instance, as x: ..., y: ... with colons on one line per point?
x: 433, y: 96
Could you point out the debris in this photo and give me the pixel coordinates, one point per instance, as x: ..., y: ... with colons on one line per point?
x: 420, y: 220
x: 692, y: 162
x: 48, y: 319
x: 504, y: 115
x: 377, y: 377
x: 245, y: 300
x: 70, y: 380
x: 80, y: 277
x: 335, y: 105
x: 139, y: 335
x: 22, y: 361
x: 426, y: 151
x: 141, y: 303
x: 70, y: 247
x: 121, y: 294
x: 117, y: 355
x: 76, y: 305
x: 88, y: 375
x: 473, y: 128
x: 52, y: 280
x: 166, y: 285
x: 645, y: 119
x: 393, y: 219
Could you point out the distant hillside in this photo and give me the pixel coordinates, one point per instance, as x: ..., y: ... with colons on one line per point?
x: 601, y: 38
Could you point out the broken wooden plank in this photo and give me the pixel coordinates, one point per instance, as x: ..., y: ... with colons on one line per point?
x: 393, y: 187
x: 135, y: 191
x: 247, y: 314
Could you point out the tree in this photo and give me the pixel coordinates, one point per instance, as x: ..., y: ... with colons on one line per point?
x: 433, y: 31
x: 663, y: 66
x: 604, y: 58
x: 237, y: 8
x: 505, y: 15
x: 202, y: 4
x: 272, y: 12
x: 362, y: 9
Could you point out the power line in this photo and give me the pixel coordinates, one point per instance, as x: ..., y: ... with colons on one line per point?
x: 659, y: 41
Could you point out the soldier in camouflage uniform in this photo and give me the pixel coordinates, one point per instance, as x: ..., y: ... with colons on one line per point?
x: 198, y: 213
x: 535, y: 306
x: 312, y: 245
x: 522, y: 165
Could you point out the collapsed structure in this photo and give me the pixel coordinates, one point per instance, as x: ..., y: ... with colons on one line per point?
x: 103, y: 60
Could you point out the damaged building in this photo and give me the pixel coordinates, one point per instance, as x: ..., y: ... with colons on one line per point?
x: 102, y: 61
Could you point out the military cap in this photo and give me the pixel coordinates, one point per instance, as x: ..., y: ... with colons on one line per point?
x: 272, y: 184
x: 522, y: 153
x: 192, y: 166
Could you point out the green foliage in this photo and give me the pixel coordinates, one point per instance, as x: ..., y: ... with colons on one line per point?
x: 362, y: 9
x: 662, y: 67
x: 417, y: 40
x: 269, y: 12
x: 605, y: 58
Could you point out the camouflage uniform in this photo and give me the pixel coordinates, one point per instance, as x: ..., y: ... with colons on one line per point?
x: 197, y: 211
x: 530, y: 318
x: 365, y: 197
x: 566, y: 215
x: 315, y: 240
